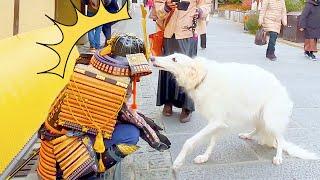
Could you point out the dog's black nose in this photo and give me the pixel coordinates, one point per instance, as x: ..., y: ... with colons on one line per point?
x: 152, y: 59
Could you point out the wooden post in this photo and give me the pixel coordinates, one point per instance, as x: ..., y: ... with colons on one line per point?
x: 144, y: 30
x: 216, y: 3
x: 16, y: 17
x: 83, y: 8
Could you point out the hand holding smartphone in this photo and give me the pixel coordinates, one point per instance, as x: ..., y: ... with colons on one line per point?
x: 181, y: 5
x: 171, y: 4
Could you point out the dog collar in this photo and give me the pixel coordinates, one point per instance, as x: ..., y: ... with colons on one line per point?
x: 199, y: 83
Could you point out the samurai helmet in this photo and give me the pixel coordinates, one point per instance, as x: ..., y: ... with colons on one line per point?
x: 124, y: 55
x: 124, y: 44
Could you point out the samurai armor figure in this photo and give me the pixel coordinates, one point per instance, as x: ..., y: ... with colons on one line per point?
x: 83, y: 130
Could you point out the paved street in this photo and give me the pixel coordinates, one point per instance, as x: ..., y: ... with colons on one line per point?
x: 234, y: 158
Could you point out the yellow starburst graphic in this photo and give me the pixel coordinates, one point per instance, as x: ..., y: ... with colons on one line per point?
x: 71, y: 34
x: 33, y: 75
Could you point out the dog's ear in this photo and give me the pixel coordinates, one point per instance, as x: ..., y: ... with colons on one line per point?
x: 192, y: 71
x: 193, y: 75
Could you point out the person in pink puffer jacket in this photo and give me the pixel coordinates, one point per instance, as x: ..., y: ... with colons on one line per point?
x: 272, y: 15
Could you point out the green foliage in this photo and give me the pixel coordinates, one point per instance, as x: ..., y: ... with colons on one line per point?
x: 294, y: 5
x: 235, y: 1
x: 252, y: 23
x: 230, y: 1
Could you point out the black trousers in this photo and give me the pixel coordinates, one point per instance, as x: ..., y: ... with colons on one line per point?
x: 203, y: 40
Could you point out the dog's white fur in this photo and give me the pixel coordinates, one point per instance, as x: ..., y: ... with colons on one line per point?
x: 231, y: 94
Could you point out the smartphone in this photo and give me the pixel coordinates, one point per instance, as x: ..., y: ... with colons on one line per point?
x: 183, y: 5
x: 175, y: 1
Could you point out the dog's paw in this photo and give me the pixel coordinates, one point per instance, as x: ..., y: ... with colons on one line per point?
x: 277, y: 161
x: 201, y: 159
x: 176, y: 165
x: 246, y: 136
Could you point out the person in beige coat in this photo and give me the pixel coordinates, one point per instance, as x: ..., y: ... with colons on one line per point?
x: 273, y: 14
x: 202, y: 27
x: 179, y: 37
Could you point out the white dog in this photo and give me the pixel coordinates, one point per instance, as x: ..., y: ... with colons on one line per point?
x: 230, y: 94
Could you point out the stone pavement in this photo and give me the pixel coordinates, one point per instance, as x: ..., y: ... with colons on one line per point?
x: 234, y: 158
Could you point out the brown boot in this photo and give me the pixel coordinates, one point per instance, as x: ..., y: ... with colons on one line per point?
x: 167, y: 110
x: 185, y: 115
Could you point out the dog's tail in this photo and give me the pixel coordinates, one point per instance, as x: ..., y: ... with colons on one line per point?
x: 290, y: 148
x: 296, y: 151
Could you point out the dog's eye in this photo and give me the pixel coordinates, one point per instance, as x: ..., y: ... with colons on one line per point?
x: 174, y: 59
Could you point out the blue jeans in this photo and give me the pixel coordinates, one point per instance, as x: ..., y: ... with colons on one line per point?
x: 106, y: 29
x: 272, y: 41
x: 123, y: 134
x: 94, y: 35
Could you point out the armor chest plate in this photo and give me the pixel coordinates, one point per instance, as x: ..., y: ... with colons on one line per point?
x: 89, y: 103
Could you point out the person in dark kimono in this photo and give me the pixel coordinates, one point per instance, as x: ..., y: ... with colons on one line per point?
x: 310, y: 24
x: 179, y: 37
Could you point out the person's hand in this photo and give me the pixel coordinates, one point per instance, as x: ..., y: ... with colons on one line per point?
x: 135, y: 114
x: 260, y: 22
x: 171, y: 6
x: 164, y: 143
x: 301, y: 29
x: 198, y: 13
x: 94, y: 4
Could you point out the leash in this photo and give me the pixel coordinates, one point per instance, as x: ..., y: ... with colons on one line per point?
x: 200, y: 82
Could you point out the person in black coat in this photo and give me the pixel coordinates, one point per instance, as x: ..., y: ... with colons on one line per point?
x: 310, y: 24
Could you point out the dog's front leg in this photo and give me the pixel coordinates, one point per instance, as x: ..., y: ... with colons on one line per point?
x: 190, y: 143
x: 202, y: 158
